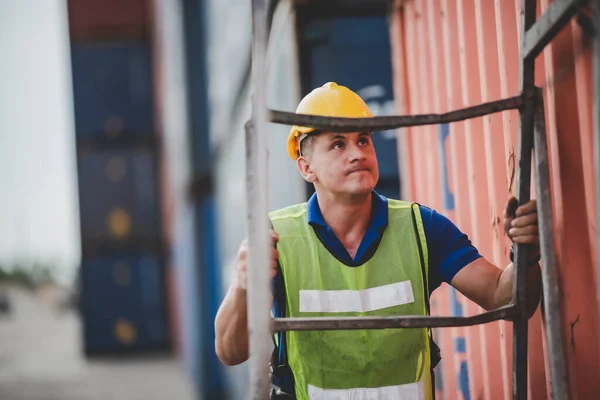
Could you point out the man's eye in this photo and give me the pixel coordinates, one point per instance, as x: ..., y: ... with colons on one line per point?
x: 363, y: 141
x: 337, y: 145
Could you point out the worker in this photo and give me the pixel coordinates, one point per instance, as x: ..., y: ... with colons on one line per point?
x: 349, y: 251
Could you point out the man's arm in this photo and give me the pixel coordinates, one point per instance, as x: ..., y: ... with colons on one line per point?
x: 492, y: 287
x: 231, y: 321
x: 231, y: 327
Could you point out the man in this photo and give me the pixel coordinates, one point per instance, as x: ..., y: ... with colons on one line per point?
x: 350, y: 252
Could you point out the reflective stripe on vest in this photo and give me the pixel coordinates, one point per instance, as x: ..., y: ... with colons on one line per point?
x: 356, y: 364
x: 409, y: 391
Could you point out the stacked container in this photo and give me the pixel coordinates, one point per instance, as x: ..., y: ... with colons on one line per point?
x: 122, y: 271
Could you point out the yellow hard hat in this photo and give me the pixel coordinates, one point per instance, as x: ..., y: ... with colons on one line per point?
x: 329, y: 100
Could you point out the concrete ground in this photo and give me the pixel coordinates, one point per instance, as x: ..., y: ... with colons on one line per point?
x: 40, y: 360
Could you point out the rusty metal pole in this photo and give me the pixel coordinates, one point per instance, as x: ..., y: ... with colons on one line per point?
x: 259, y: 293
x: 520, y: 324
x: 257, y: 296
x: 551, y: 293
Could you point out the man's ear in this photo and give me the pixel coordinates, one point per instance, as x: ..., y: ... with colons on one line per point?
x: 305, y: 169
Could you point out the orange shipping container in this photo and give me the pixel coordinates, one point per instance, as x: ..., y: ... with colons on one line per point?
x: 450, y: 54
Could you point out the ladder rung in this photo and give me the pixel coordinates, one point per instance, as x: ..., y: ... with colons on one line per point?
x: 548, y: 25
x: 402, y: 321
x: 336, y: 124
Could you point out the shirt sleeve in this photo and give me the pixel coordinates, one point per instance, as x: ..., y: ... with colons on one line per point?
x: 449, y: 249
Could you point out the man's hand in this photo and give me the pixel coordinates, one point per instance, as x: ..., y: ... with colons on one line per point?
x: 231, y: 321
x: 521, y: 223
x: 492, y: 287
x: 242, y: 267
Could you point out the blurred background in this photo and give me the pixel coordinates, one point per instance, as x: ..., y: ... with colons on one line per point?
x: 122, y: 177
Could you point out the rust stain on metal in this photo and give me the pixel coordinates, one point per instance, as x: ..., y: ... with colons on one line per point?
x: 495, y: 218
x: 572, y: 331
x: 495, y: 221
x: 512, y: 162
x: 497, y: 224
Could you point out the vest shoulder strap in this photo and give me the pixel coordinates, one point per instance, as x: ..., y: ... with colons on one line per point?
x: 295, y: 211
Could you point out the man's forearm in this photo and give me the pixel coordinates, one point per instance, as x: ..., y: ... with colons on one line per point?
x: 504, y: 291
x: 231, y: 328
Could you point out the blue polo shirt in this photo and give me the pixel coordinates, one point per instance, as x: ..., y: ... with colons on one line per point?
x: 449, y: 250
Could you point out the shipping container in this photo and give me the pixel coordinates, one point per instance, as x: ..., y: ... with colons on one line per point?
x: 118, y: 194
x: 112, y: 90
x: 451, y: 54
x: 122, y: 303
x: 92, y: 20
x: 122, y: 277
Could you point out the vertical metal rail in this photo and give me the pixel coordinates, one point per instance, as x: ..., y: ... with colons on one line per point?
x: 596, y: 111
x: 520, y: 325
x: 259, y: 243
x: 551, y: 293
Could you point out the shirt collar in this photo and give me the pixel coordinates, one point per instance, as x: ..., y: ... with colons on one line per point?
x: 379, y: 212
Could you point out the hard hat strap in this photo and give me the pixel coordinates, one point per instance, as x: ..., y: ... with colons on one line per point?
x: 304, y: 136
x: 300, y: 139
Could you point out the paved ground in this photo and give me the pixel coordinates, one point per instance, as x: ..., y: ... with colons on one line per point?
x: 40, y: 360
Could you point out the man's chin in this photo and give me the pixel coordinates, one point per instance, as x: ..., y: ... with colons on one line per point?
x: 361, y: 191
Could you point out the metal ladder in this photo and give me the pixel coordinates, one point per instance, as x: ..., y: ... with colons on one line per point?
x: 532, y: 138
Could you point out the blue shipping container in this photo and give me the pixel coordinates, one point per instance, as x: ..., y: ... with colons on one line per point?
x: 112, y: 88
x: 123, y: 303
x: 118, y: 195
x: 355, y: 52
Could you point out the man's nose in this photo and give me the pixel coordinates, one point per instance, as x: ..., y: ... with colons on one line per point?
x: 356, y: 152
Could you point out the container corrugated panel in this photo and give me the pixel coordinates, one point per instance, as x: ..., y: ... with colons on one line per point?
x: 118, y: 195
x: 122, y: 301
x: 112, y: 90
x: 329, y: 48
x: 451, y: 54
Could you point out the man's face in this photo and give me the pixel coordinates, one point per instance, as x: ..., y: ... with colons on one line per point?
x: 341, y: 163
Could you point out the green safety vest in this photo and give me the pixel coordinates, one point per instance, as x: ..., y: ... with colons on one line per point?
x: 356, y: 364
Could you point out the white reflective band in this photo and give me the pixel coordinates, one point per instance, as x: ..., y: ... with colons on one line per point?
x: 336, y: 301
x: 410, y: 391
